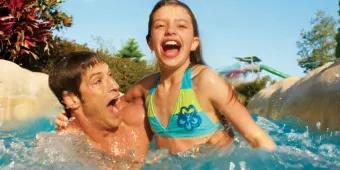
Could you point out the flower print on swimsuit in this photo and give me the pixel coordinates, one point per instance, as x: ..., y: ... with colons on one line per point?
x: 188, y: 118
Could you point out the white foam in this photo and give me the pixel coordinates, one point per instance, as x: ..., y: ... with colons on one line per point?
x: 2, y: 115
x: 231, y: 165
x: 2, y: 147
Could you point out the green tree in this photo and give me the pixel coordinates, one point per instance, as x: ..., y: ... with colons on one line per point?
x: 26, y: 27
x: 337, y: 50
x: 131, y: 50
x: 317, y: 46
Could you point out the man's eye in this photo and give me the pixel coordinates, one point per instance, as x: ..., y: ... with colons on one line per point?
x: 98, y: 81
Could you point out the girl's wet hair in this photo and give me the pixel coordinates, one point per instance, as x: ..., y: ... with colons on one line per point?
x: 195, y: 56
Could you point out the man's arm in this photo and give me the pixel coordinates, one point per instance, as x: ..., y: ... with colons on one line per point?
x: 139, y: 91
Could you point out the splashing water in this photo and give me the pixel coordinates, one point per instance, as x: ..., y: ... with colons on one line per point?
x: 1, y: 115
x: 37, y: 146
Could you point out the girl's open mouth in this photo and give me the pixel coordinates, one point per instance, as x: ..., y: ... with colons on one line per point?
x: 171, y: 48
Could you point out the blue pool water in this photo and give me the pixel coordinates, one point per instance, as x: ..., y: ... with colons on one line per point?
x: 299, y: 147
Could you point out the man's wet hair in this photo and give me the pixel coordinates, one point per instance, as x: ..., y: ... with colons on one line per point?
x: 66, y: 74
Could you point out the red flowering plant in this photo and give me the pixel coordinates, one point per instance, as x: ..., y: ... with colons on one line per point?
x: 26, y: 25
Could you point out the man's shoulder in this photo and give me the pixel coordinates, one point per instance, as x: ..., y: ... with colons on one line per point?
x: 149, y: 80
x: 134, y: 113
x: 140, y: 89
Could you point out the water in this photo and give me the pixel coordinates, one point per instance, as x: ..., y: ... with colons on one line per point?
x: 37, y: 146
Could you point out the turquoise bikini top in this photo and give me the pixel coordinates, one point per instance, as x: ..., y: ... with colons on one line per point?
x: 188, y: 119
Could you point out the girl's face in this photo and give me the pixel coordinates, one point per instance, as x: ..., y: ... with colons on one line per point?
x: 172, y: 36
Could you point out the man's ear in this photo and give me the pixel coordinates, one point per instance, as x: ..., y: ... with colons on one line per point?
x: 71, y: 100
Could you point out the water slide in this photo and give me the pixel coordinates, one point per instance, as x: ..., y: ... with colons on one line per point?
x: 273, y: 71
x: 238, y: 68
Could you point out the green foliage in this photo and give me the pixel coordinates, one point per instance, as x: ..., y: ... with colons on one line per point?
x: 337, y: 50
x: 127, y: 66
x: 131, y: 50
x: 248, y: 90
x: 51, y: 12
x: 317, y: 46
x: 59, y: 47
x: 127, y: 72
x: 26, y: 27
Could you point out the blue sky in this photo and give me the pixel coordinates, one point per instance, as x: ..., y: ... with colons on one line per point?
x: 268, y: 29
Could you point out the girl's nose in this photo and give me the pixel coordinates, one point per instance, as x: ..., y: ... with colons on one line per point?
x: 171, y: 29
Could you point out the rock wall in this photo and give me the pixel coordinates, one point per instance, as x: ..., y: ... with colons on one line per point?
x: 313, y: 98
x: 24, y: 95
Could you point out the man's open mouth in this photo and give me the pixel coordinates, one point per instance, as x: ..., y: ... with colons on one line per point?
x: 171, y: 48
x: 112, y: 105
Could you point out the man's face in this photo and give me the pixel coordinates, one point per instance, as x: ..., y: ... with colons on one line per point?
x: 99, y: 96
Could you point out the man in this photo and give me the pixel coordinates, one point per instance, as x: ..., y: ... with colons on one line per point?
x: 84, y: 85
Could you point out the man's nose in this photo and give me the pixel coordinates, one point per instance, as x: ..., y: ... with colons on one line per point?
x: 113, y: 85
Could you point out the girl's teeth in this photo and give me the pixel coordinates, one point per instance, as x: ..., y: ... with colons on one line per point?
x: 171, y: 43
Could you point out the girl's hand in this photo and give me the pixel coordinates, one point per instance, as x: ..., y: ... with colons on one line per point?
x: 61, y: 121
x: 261, y: 139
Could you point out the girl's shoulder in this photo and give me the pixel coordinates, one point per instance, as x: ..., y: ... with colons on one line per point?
x: 205, y: 78
x: 203, y: 73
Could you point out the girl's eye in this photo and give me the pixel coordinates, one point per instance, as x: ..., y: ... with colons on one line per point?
x: 159, y: 26
x: 182, y: 26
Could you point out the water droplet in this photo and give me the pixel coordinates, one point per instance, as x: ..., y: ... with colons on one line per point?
x: 242, y: 165
x: 318, y: 125
x: 2, y: 115
x: 231, y: 166
x: 2, y: 147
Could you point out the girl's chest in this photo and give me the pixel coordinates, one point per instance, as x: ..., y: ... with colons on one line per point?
x: 164, y: 103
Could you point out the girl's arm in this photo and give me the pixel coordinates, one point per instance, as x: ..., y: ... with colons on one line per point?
x: 224, y: 99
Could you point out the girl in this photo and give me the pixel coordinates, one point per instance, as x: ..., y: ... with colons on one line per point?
x: 186, y: 100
